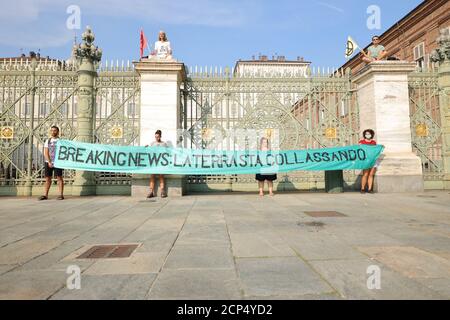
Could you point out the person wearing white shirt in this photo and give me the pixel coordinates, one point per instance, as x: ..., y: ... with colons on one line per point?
x: 163, y: 49
x: 49, y: 168
x: 157, y: 143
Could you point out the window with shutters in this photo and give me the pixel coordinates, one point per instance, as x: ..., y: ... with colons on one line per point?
x: 419, y: 55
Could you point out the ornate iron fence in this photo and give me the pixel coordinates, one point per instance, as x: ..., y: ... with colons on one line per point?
x: 33, y: 97
x: 36, y: 95
x: 426, y: 124
x: 117, y: 114
x: 297, y: 110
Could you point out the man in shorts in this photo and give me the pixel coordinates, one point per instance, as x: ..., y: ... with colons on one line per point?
x: 49, y: 168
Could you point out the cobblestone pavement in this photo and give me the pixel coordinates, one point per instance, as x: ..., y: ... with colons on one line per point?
x: 230, y: 246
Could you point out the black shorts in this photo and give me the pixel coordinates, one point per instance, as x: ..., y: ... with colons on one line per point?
x: 49, y: 171
x: 264, y: 177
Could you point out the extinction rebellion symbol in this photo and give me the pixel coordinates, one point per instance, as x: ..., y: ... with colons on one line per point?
x: 350, y: 48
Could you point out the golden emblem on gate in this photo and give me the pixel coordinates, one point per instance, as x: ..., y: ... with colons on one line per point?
x: 7, y: 133
x: 421, y: 130
x: 117, y: 133
x: 330, y: 133
x: 206, y: 133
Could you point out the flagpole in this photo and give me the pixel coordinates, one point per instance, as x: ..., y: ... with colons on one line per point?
x: 362, y: 51
x: 149, y: 51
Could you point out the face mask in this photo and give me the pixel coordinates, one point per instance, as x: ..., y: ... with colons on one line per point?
x: 368, y: 136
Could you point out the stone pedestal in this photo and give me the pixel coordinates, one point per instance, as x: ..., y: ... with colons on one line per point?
x: 160, y: 109
x: 334, y: 181
x: 383, y: 99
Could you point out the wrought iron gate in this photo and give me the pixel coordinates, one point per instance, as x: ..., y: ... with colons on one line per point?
x: 312, y: 111
x: 426, y: 130
x: 117, y: 117
x: 33, y: 96
x: 36, y: 95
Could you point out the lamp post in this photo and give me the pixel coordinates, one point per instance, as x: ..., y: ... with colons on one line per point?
x: 29, y: 180
x: 88, y: 56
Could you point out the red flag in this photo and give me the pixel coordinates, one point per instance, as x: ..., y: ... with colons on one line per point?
x: 143, y: 42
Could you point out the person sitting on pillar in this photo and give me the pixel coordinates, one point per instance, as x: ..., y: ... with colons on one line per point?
x: 162, y: 47
x: 369, y: 173
x: 49, y: 168
x: 375, y: 52
x: 157, y: 143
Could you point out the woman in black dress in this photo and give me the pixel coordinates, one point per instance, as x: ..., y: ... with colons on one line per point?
x: 269, y: 177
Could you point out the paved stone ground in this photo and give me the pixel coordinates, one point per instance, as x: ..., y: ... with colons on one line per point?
x: 234, y: 246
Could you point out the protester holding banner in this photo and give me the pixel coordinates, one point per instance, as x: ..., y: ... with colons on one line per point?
x: 375, y: 52
x: 368, y: 174
x: 157, y: 143
x: 49, y: 168
x: 269, y: 177
x: 183, y: 161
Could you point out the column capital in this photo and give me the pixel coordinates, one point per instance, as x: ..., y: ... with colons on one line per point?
x: 383, y: 67
x: 150, y: 66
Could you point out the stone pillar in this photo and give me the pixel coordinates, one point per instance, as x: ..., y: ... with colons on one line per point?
x: 383, y: 99
x: 160, y: 109
x: 87, y: 55
x: 442, y: 56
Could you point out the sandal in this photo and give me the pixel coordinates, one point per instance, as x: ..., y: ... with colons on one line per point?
x: 150, y: 195
x: 43, y: 198
x: 163, y: 194
x: 60, y: 198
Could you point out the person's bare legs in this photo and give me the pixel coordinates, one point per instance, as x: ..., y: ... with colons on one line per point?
x: 364, y: 179
x: 261, y: 188
x: 162, y: 186
x: 270, y: 184
x: 48, y: 183
x: 371, y: 178
x: 152, y: 184
x: 367, y: 60
x: 61, y: 186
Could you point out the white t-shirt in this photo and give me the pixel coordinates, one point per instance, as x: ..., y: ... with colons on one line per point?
x: 158, y: 144
x: 162, y: 49
x: 51, y: 145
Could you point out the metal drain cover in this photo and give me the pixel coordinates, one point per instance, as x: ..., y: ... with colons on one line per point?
x: 322, y: 214
x: 109, y: 251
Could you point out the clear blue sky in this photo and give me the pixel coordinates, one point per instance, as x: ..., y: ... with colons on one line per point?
x: 202, y: 32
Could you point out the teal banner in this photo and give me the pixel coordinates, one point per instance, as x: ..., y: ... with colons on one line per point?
x: 130, y: 159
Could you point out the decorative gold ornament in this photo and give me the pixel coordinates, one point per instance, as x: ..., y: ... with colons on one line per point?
x: 206, y: 133
x: 7, y: 133
x: 330, y: 133
x: 421, y: 130
x: 117, y: 132
x: 269, y: 133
